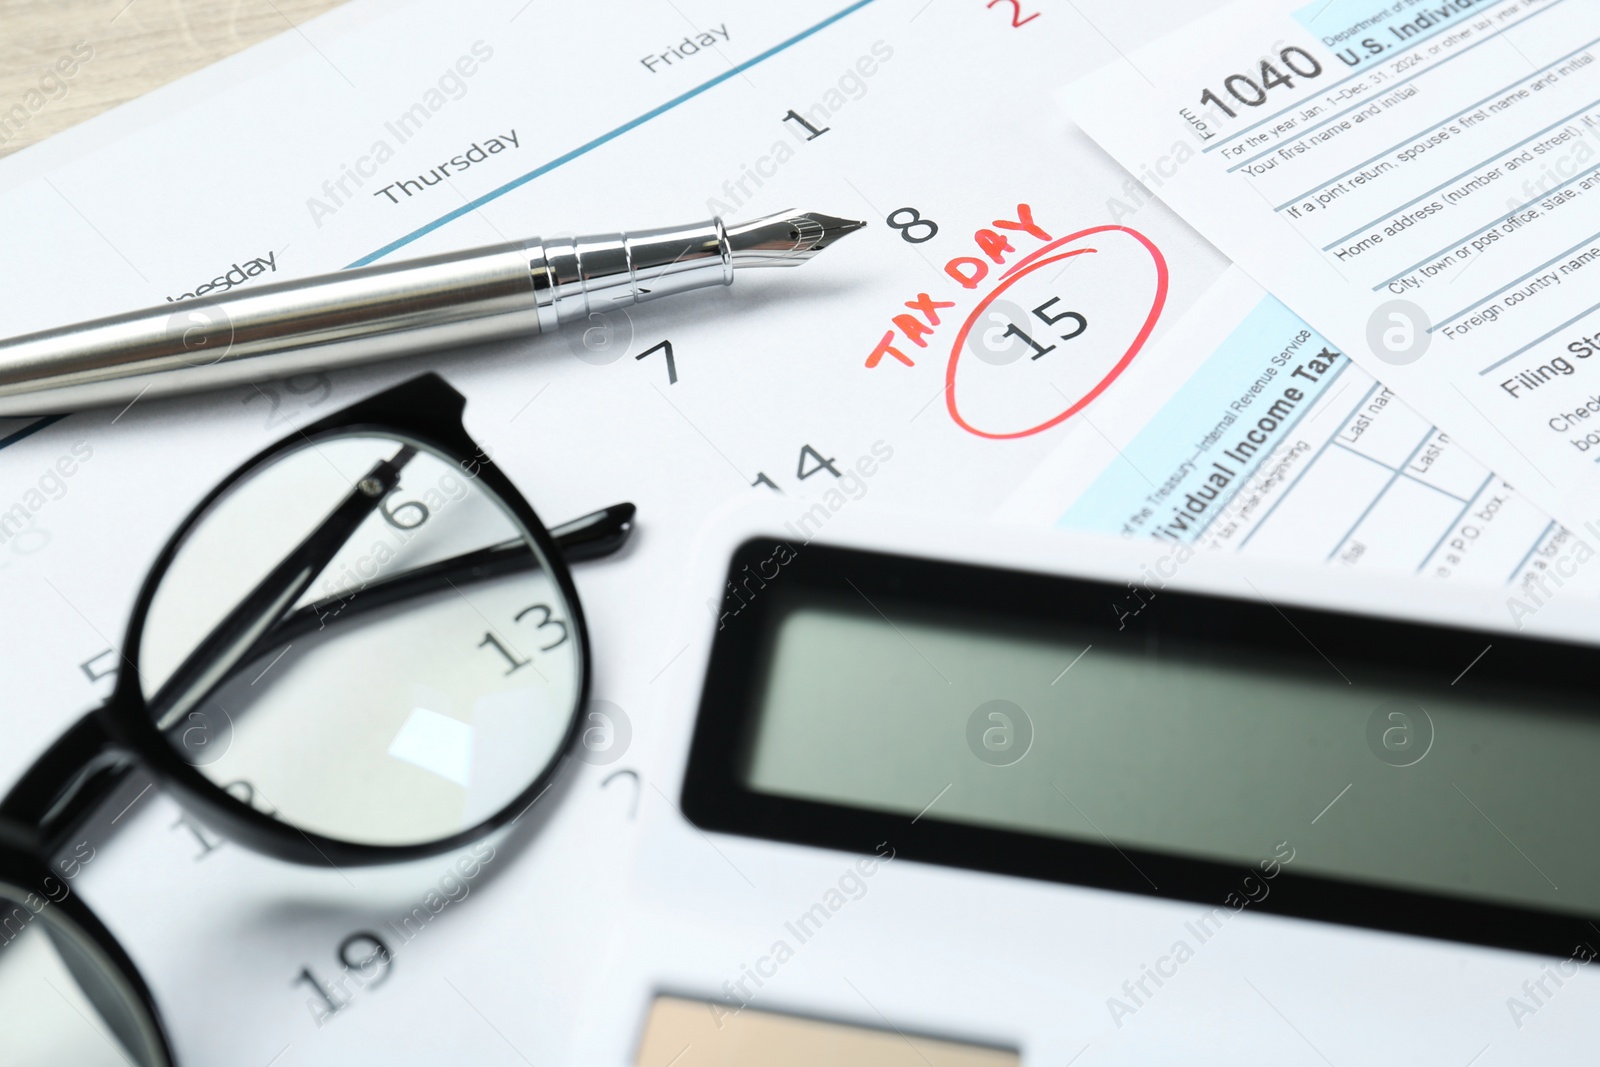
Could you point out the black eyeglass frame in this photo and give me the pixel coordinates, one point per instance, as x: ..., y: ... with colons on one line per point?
x: 69, y: 917
x: 51, y: 801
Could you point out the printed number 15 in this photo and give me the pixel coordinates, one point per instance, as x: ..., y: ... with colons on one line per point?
x: 1042, y: 312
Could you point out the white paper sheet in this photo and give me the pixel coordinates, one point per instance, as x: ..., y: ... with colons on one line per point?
x: 1202, y: 450
x: 1417, y: 181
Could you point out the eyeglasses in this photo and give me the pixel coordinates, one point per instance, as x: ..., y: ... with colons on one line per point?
x: 362, y: 647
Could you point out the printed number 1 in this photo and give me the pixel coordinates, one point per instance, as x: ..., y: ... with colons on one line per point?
x: 795, y: 116
x: 517, y: 663
x: 1038, y: 350
x: 206, y: 846
x: 321, y: 990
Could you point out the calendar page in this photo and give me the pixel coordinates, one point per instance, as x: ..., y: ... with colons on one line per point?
x: 926, y: 364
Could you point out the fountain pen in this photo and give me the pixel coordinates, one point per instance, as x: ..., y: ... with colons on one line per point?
x: 390, y: 309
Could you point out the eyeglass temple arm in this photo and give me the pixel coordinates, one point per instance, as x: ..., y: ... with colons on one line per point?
x: 82, y: 768
x: 596, y: 535
x: 589, y: 537
x: 231, y: 639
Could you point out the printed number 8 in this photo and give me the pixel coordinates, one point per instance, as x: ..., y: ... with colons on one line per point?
x: 912, y: 223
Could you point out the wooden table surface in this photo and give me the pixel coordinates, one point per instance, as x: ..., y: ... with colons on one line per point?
x: 63, y: 61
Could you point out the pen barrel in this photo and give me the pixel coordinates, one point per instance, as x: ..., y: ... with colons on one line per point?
x: 273, y: 331
x: 312, y: 324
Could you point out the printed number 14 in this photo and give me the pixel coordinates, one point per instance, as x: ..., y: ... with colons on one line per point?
x: 818, y: 462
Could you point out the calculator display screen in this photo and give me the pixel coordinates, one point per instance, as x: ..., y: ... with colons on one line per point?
x: 1167, y: 741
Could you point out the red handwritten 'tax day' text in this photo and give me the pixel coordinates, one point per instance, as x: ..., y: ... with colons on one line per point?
x: 968, y: 272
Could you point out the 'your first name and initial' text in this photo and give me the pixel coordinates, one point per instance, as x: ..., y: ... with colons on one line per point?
x: 1536, y: 171
x: 1520, y: 183
x: 1533, y: 173
x: 1555, y: 171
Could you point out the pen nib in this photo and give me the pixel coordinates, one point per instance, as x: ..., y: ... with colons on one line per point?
x: 785, y: 239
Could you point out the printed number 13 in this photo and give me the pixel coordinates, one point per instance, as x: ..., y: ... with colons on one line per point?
x: 545, y: 621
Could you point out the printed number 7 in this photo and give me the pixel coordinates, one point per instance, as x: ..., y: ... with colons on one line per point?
x: 672, y: 364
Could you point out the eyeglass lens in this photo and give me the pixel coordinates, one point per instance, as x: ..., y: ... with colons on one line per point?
x: 61, y: 1000
x: 360, y: 640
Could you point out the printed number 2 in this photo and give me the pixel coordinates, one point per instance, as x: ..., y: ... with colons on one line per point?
x: 1017, y: 21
